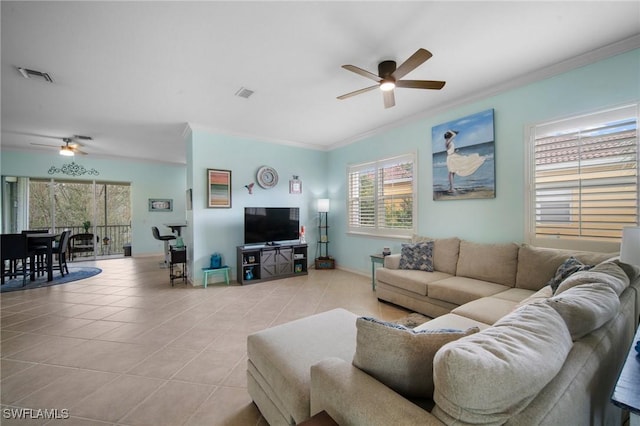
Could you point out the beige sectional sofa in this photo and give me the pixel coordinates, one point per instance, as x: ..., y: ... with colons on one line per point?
x: 538, y: 357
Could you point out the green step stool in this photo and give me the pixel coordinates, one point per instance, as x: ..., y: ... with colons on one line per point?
x: 214, y: 271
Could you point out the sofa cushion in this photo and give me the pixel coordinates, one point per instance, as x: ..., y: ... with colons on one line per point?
x: 539, y: 296
x: 417, y: 256
x: 487, y: 309
x: 453, y: 321
x: 608, y: 273
x: 515, y: 294
x: 495, y: 263
x: 586, y: 307
x: 399, y: 357
x: 486, y: 378
x: 460, y: 290
x: 445, y: 253
x: 537, y: 265
x: 413, y: 281
x: 569, y: 267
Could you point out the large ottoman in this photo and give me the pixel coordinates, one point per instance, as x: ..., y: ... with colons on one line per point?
x: 280, y: 359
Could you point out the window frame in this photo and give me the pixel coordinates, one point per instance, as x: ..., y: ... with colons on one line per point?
x: 376, y: 230
x: 582, y: 122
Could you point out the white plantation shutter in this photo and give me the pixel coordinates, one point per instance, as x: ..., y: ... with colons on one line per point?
x: 381, y: 197
x: 584, y: 180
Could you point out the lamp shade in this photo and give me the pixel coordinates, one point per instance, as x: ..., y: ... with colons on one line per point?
x: 630, y: 247
x: 323, y: 205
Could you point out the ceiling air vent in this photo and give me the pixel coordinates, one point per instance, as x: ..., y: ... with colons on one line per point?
x: 244, y: 92
x: 39, y: 75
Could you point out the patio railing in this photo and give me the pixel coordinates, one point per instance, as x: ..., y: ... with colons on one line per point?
x: 118, y: 236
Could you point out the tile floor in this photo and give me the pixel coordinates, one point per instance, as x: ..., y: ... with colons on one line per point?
x: 126, y: 348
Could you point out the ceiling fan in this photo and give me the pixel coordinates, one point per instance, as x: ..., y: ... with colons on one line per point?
x: 71, y: 146
x: 389, y: 76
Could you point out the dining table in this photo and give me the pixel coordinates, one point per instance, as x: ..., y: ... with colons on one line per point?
x: 39, y: 240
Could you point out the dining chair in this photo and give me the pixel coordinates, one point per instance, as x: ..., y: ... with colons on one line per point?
x: 15, y: 252
x: 60, y: 251
x: 39, y: 250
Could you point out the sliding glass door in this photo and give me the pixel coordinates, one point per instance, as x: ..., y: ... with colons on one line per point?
x: 102, y: 209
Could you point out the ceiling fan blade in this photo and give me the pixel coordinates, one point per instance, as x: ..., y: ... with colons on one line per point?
x: 84, y: 138
x: 77, y: 151
x: 421, y: 84
x: 389, y: 99
x: 361, y: 72
x: 412, y: 63
x: 357, y: 92
x: 42, y: 144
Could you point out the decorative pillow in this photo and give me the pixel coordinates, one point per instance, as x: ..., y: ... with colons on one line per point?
x: 417, y: 256
x: 586, y: 307
x: 568, y: 267
x: 399, y: 357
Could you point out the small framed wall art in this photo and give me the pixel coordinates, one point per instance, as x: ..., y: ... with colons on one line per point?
x: 160, y: 205
x: 295, y: 185
x: 219, y: 188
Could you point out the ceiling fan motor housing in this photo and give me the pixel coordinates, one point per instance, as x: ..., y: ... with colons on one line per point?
x: 386, y: 68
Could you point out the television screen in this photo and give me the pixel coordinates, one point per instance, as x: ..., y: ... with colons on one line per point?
x: 265, y: 225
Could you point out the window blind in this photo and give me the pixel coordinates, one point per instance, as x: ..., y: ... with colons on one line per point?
x: 381, y: 196
x: 585, y: 176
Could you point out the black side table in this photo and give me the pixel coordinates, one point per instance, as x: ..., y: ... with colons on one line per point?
x: 626, y: 394
x: 178, y: 256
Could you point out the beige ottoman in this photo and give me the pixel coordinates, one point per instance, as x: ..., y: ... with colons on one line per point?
x: 280, y: 358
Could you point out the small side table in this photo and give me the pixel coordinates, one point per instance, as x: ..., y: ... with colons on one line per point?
x: 177, y: 256
x: 626, y: 394
x: 375, y: 258
x: 224, y: 270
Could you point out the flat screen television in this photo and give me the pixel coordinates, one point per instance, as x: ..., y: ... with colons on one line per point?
x: 270, y: 225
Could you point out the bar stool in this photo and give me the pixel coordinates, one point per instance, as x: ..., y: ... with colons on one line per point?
x: 166, y: 239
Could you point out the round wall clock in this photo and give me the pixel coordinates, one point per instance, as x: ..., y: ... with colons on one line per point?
x: 267, y: 177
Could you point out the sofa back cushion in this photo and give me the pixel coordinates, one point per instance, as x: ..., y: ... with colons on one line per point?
x: 486, y: 378
x: 445, y: 253
x: 537, y: 265
x: 495, y: 263
x: 399, y: 357
x: 586, y: 307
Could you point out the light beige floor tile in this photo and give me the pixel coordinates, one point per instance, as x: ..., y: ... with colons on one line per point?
x: 10, y: 366
x: 170, y: 405
x: 47, y: 349
x: 115, y: 399
x: 22, y: 342
x: 164, y: 363
x: 94, y: 329
x: 62, y: 325
x: 209, y: 367
x: 103, y: 356
x: 17, y: 386
x: 100, y: 312
x: 226, y: 406
x: 66, y: 390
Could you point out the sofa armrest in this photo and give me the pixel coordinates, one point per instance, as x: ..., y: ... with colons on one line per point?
x: 352, y: 397
x: 392, y: 261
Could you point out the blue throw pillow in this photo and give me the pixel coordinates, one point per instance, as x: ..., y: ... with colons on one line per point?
x: 417, y: 256
x: 568, y: 267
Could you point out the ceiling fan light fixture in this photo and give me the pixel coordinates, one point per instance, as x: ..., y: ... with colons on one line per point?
x: 387, y: 85
x: 66, y: 151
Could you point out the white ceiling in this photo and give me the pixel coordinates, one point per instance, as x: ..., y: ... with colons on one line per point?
x: 132, y: 74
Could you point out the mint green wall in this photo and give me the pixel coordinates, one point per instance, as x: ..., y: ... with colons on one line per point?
x: 607, y: 83
x: 148, y: 180
x: 221, y: 230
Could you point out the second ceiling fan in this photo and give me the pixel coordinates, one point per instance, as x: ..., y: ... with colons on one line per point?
x: 389, y: 76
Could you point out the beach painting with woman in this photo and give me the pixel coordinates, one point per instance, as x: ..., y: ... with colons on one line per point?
x: 463, y: 158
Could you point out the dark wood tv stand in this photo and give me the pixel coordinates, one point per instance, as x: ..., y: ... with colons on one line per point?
x: 256, y: 263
